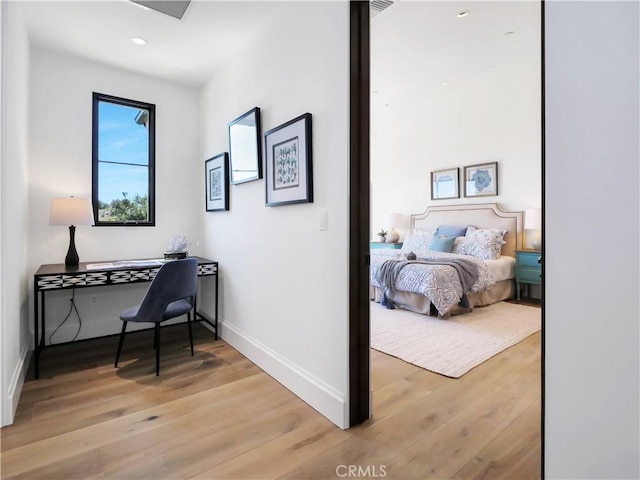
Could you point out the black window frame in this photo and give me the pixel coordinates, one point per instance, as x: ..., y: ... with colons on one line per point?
x: 151, y: 108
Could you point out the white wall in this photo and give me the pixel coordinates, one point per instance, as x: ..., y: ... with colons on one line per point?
x: 283, y: 281
x: 60, y: 165
x: 486, y: 113
x: 14, y: 281
x: 592, y: 393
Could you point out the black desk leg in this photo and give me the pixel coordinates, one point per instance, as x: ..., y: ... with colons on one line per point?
x: 36, y: 336
x: 38, y: 342
x: 216, y: 307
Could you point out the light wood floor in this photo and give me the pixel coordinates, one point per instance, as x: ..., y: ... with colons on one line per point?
x: 218, y: 416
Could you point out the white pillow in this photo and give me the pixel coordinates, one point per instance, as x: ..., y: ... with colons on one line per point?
x: 458, y: 245
x: 417, y: 241
x: 483, y: 243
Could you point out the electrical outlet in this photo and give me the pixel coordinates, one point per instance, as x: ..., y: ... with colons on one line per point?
x: 93, y: 299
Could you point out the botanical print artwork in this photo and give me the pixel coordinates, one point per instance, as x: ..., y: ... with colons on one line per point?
x: 482, y: 180
x: 215, y: 179
x: 444, y: 184
x: 286, y: 164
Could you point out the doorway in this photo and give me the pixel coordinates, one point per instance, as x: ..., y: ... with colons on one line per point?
x: 361, y: 205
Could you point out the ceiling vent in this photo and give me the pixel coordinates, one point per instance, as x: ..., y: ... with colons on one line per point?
x: 378, y: 6
x: 173, y: 8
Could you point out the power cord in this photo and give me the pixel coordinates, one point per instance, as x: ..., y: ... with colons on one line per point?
x: 71, y: 309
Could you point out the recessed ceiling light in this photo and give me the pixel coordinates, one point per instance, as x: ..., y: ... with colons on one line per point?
x: 138, y: 41
x: 444, y: 84
x: 463, y: 13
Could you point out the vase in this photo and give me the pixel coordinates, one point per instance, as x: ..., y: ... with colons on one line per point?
x: 393, y: 236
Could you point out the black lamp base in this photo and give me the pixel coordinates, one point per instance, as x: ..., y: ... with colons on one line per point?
x: 72, y: 259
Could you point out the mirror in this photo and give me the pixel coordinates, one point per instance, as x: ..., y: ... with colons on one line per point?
x: 244, y: 147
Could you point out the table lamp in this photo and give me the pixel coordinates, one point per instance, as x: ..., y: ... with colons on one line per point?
x: 394, y: 220
x: 533, y: 221
x: 71, y: 211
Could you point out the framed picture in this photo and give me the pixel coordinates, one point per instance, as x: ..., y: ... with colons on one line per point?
x: 481, y: 180
x: 289, y: 172
x: 216, y: 174
x: 444, y: 184
x: 244, y: 147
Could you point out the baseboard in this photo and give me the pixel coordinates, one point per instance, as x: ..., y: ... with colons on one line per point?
x: 10, y: 402
x: 322, y: 397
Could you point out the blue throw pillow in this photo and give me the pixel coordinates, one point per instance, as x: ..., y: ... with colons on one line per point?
x: 441, y: 244
x: 451, y: 230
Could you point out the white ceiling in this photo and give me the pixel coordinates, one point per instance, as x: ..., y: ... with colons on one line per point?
x: 434, y: 45
x: 420, y: 47
x: 186, y: 50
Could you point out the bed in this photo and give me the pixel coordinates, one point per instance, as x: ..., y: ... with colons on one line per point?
x: 436, y: 289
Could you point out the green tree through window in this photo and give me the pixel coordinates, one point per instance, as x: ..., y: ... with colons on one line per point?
x: 123, y: 161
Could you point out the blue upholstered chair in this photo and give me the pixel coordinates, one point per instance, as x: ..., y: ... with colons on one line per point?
x: 172, y: 293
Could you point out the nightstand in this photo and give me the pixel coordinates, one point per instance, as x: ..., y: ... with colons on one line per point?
x: 395, y: 246
x: 528, y: 269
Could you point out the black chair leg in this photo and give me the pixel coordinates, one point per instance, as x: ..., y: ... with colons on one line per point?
x: 190, y: 332
x: 124, y: 327
x: 157, y: 342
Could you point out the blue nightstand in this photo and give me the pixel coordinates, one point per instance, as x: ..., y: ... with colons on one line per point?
x: 528, y: 269
x: 395, y: 246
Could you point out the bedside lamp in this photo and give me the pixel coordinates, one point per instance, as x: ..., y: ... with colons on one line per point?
x: 394, y: 220
x: 533, y: 221
x: 71, y: 211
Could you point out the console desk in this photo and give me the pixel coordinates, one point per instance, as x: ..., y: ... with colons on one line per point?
x: 95, y: 274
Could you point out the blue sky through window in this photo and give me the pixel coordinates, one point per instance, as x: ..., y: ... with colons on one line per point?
x: 125, y: 145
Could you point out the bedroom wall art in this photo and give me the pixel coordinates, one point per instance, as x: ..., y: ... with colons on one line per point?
x: 217, y: 183
x: 445, y: 184
x: 481, y: 180
x: 289, y: 172
x: 244, y: 147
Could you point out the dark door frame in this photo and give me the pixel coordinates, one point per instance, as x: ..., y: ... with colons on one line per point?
x: 359, y: 177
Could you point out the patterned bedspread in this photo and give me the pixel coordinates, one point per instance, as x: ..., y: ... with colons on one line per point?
x: 439, y: 283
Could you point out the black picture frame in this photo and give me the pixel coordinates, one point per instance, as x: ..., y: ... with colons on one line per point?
x: 481, y: 180
x: 245, y: 155
x: 216, y: 174
x: 445, y: 184
x: 289, y: 162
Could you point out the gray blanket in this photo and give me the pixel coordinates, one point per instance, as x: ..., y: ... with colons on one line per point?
x: 390, y: 269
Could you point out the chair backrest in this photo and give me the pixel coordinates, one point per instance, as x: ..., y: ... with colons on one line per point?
x: 175, y: 280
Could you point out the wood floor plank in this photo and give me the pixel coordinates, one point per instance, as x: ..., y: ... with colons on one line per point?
x: 293, y: 448
x: 513, y: 454
x: 218, y: 416
x: 422, y: 415
x: 214, y: 403
x: 458, y: 440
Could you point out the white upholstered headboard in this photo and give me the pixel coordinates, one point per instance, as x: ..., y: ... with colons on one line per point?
x: 480, y: 215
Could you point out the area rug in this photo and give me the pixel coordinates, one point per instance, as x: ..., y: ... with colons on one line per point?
x: 452, y: 346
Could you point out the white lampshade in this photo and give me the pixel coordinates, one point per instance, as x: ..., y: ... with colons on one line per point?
x: 533, y: 219
x: 395, y: 220
x: 71, y: 211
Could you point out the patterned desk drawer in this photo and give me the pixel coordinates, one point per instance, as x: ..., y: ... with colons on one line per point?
x: 129, y: 276
x: 207, y: 269
x: 51, y: 282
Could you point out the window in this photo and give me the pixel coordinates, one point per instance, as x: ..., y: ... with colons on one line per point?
x: 123, y: 161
